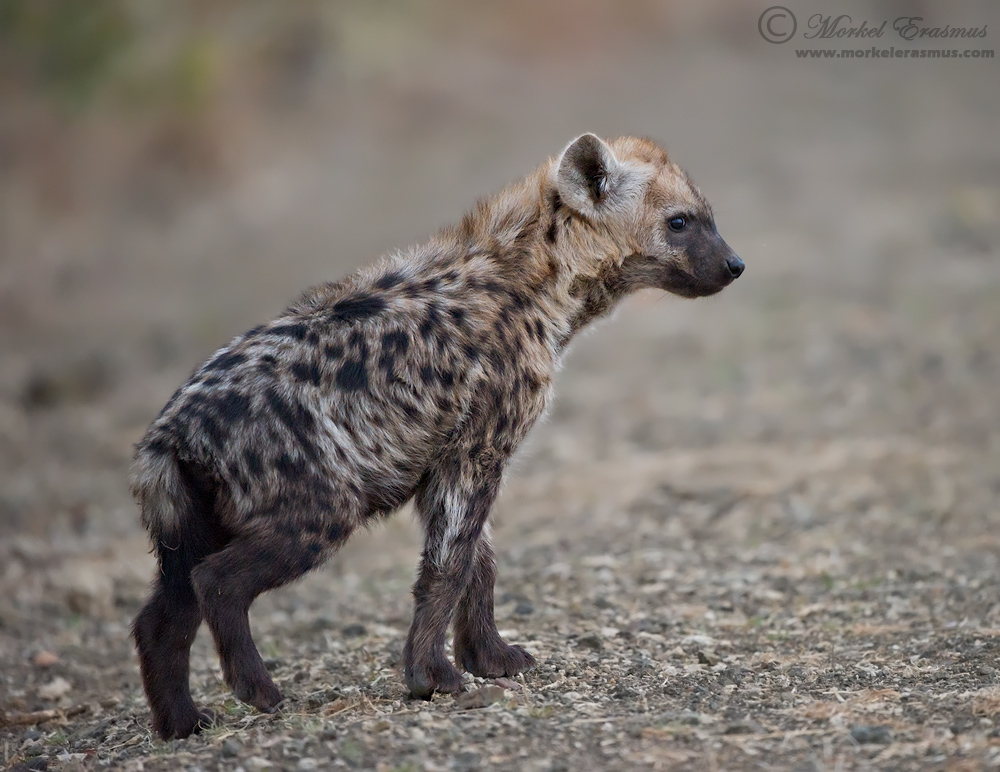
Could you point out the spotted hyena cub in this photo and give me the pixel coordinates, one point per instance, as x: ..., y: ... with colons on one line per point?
x: 416, y: 378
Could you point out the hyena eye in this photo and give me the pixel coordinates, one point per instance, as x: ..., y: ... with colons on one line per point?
x: 676, y: 224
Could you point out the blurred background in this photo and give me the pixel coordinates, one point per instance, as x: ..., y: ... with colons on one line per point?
x: 802, y: 471
x: 173, y: 173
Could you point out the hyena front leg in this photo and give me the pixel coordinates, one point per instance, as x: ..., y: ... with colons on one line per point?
x: 478, y: 646
x: 454, y: 512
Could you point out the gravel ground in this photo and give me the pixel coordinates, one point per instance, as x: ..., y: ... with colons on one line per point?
x: 758, y: 531
x: 814, y: 604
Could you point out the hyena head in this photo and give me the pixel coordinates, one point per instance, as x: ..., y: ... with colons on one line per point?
x: 665, y: 228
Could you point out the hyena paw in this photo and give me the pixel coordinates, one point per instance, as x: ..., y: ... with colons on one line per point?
x: 436, y: 676
x: 262, y: 695
x: 493, y: 659
x: 184, y: 725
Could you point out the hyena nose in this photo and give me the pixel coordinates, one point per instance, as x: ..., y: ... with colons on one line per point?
x: 735, y: 266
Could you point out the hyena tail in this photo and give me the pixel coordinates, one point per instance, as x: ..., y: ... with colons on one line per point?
x: 159, y: 488
x: 178, y: 503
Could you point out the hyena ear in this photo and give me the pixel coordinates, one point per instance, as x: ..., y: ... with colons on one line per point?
x: 588, y: 175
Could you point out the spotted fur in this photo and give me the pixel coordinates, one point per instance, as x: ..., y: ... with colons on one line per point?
x: 416, y: 378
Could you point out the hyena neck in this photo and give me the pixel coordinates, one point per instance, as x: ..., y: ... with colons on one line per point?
x: 587, y: 259
x: 563, y: 263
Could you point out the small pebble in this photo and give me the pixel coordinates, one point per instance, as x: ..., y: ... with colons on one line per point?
x: 54, y: 689
x: 355, y: 630
x: 591, y: 641
x: 506, y: 683
x: 45, y: 659
x: 873, y: 735
x: 480, y: 698
x: 743, y: 727
x: 231, y: 748
x: 623, y: 692
x: 467, y: 761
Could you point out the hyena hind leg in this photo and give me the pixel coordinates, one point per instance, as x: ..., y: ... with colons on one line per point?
x: 166, y: 626
x: 228, y: 582
x: 163, y: 632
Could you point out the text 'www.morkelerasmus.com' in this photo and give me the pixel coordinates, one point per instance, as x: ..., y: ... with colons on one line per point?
x: 894, y: 53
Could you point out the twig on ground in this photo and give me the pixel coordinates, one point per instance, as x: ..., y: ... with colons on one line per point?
x: 40, y: 716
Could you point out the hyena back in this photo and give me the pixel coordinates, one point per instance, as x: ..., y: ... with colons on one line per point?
x: 416, y: 378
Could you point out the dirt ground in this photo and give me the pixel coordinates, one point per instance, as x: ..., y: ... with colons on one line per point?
x: 757, y: 531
